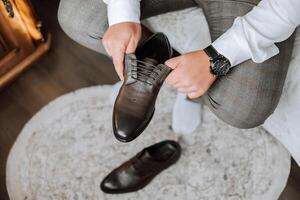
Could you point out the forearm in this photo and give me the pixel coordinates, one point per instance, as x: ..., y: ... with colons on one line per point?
x: 253, y: 36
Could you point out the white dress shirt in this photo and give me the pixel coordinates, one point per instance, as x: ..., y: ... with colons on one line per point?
x: 251, y: 36
x: 123, y: 11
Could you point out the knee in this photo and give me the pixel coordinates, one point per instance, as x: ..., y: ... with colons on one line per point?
x: 242, y: 119
x: 245, y: 121
x: 82, y: 23
x: 241, y: 115
x: 250, y: 2
x: 249, y: 94
x: 70, y: 26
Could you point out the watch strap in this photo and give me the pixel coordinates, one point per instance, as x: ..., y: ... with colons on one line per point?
x: 211, y: 52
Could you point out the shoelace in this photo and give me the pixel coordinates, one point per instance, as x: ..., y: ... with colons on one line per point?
x: 146, y: 72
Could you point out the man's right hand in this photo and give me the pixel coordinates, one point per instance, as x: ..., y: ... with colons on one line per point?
x: 119, y: 39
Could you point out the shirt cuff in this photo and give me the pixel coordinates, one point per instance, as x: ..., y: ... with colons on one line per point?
x: 123, y: 11
x: 233, y: 48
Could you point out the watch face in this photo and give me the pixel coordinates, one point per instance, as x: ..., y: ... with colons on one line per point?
x: 220, y: 67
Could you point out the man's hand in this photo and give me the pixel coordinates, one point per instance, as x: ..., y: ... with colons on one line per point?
x: 120, y: 39
x: 191, y: 73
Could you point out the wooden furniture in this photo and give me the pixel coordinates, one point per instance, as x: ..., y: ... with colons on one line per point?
x: 21, y: 39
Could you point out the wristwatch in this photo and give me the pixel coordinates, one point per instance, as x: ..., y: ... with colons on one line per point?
x: 219, y: 64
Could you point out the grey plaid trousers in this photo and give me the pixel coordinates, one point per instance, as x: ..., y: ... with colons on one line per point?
x: 244, y: 98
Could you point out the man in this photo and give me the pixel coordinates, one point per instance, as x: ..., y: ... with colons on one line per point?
x: 243, y: 31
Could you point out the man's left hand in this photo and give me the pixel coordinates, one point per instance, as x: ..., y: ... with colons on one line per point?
x: 191, y: 73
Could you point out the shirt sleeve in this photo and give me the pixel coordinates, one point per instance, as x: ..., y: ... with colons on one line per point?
x: 123, y: 11
x: 253, y: 35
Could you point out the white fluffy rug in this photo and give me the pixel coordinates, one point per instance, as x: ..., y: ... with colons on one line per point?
x: 68, y: 147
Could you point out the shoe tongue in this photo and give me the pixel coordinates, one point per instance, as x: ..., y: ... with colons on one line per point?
x: 151, y: 61
x: 145, y: 155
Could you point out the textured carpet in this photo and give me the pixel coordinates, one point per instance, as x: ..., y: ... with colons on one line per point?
x: 68, y: 147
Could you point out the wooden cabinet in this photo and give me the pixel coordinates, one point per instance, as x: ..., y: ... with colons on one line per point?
x: 21, y: 39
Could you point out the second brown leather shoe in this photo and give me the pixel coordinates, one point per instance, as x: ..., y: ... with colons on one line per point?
x: 144, y: 74
x: 137, y: 172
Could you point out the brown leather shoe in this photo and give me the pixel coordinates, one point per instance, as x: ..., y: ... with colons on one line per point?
x: 144, y: 74
x: 137, y: 172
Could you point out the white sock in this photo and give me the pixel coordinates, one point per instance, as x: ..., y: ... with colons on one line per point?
x: 186, y: 115
x: 115, y: 91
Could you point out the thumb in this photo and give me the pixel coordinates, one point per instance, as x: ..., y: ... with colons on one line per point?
x: 118, y: 58
x: 173, y: 62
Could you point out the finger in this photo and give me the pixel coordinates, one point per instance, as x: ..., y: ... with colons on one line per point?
x: 131, y: 46
x: 106, y: 47
x: 180, y: 84
x: 190, y: 88
x: 186, y: 90
x: 108, y: 51
x: 194, y: 95
x: 118, y: 58
x: 173, y: 62
x: 172, y: 79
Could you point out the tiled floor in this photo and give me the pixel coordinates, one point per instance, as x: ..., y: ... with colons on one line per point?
x: 68, y: 66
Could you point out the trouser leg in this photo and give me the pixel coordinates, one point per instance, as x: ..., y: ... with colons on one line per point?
x: 86, y: 21
x: 249, y: 94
